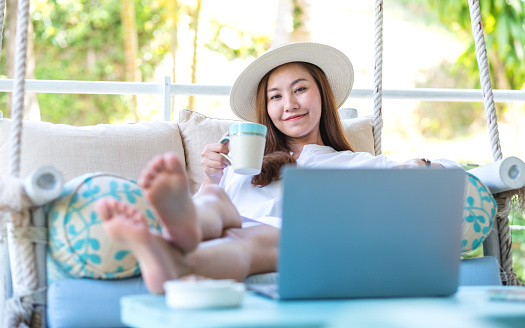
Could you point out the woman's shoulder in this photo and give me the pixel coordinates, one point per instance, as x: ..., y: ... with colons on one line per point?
x: 314, y: 148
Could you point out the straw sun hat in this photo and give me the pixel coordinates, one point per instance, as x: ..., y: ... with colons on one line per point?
x: 334, y: 63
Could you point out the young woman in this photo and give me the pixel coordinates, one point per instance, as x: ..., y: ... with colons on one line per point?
x: 294, y: 90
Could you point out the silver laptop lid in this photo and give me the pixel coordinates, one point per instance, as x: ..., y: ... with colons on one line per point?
x: 370, y: 232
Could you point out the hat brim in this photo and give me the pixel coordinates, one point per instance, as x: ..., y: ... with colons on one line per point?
x: 335, y: 64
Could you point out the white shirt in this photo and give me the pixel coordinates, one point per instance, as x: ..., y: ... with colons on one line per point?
x: 264, y: 204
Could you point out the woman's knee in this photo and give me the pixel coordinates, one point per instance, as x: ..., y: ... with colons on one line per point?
x: 261, y: 241
x: 209, y: 196
x: 213, y: 189
x: 213, y: 195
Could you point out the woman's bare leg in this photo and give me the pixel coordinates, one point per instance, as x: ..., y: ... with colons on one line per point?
x: 239, y: 253
x: 215, y: 212
x: 186, y: 221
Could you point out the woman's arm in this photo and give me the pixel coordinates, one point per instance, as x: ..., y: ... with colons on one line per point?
x: 418, y: 162
x: 424, y: 162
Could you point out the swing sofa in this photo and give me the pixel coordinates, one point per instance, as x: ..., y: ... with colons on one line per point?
x: 124, y: 149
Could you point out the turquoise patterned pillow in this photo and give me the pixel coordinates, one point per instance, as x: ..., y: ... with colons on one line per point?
x: 478, y: 215
x: 78, y: 245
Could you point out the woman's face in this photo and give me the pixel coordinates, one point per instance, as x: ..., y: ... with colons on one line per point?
x: 294, y: 103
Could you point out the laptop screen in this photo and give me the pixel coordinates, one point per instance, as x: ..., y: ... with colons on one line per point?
x: 370, y: 232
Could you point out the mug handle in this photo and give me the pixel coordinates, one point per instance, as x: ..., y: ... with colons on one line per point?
x: 223, y: 141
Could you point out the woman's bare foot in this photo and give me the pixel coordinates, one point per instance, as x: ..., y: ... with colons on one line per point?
x: 123, y: 223
x: 159, y: 261
x: 167, y: 188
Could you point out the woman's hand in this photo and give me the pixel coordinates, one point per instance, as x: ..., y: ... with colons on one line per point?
x: 417, y: 162
x: 213, y: 162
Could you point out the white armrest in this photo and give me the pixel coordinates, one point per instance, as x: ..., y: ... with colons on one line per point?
x: 503, y: 175
x: 346, y: 113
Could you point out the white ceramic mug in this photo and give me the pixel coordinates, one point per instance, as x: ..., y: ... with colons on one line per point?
x: 247, y: 141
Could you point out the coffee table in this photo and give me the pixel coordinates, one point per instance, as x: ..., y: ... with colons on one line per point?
x: 471, y: 306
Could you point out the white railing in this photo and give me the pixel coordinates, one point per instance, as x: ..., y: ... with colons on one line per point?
x: 168, y: 89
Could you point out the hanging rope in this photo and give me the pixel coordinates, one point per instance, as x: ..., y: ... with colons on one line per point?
x: 19, y: 308
x: 378, y: 77
x: 19, y: 86
x: 504, y: 199
x: 508, y: 276
x: 484, y: 75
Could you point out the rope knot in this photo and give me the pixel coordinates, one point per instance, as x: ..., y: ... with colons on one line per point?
x: 18, y: 312
x: 14, y: 201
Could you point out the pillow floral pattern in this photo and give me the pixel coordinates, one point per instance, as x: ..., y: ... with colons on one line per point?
x: 478, y: 215
x: 78, y: 245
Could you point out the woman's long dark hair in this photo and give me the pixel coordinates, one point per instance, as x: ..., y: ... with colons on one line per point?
x: 277, y: 150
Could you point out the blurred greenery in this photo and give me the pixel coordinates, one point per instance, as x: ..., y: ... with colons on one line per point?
x: 518, y: 243
x: 475, y: 253
x: 254, y: 48
x: 504, y: 36
x: 79, y: 40
x: 448, y: 120
x: 505, y: 44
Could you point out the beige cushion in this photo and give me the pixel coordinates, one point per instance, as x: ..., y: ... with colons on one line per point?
x: 198, y: 130
x: 123, y: 149
x: 359, y: 132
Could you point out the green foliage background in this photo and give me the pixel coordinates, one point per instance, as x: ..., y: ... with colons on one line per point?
x: 503, y: 22
x: 83, y: 40
x: 518, y: 244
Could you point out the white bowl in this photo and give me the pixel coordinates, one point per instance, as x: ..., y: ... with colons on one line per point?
x: 201, y: 294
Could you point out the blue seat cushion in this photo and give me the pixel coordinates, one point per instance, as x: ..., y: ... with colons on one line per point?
x: 479, y: 271
x: 89, y: 302
x: 76, y: 303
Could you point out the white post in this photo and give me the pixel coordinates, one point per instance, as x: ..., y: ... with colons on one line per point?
x: 166, y: 100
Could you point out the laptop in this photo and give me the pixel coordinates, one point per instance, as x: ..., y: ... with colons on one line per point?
x: 359, y: 233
